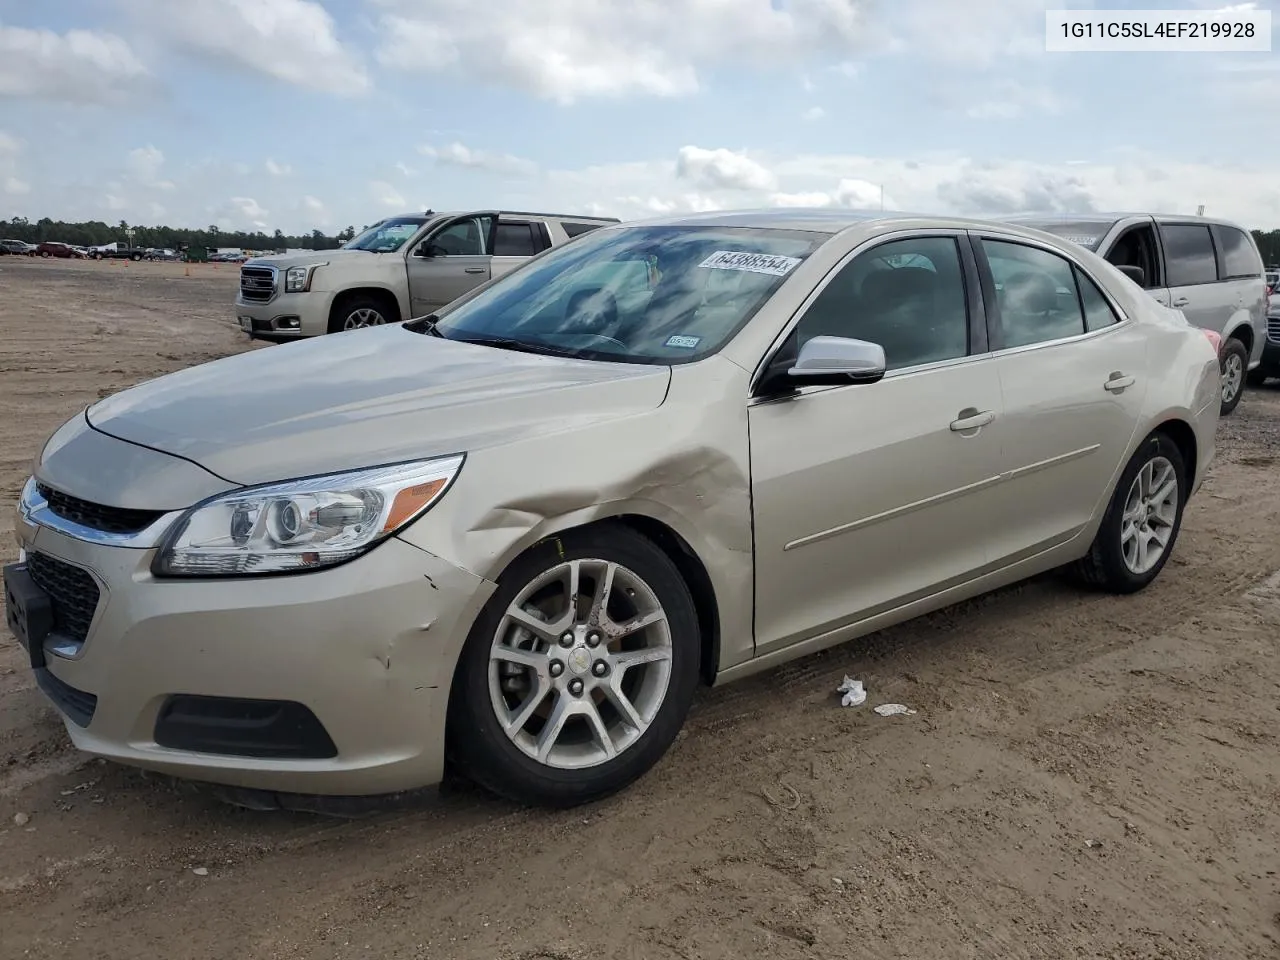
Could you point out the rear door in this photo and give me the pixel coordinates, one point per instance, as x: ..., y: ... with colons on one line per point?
x: 1240, y: 271
x: 1191, y: 265
x: 1073, y: 376
x: 450, y: 261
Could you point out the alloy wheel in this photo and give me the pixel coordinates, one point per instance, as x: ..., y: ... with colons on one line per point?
x: 1150, y: 512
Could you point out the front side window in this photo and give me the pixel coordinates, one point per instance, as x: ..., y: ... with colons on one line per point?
x: 643, y: 294
x: 1035, y: 293
x: 387, y: 236
x: 468, y: 237
x: 1188, y: 251
x: 908, y: 296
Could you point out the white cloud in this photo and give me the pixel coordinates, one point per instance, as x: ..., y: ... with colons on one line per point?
x: 1011, y: 100
x: 723, y: 169
x: 312, y: 204
x: 278, y: 169
x: 576, y: 49
x: 405, y: 169
x: 156, y: 211
x: 248, y: 208
x: 385, y: 195
x: 114, y: 202
x: 813, y: 113
x: 459, y: 155
x: 294, y: 41
x: 968, y: 34
x: 80, y: 66
x: 145, y: 162
x: 16, y: 187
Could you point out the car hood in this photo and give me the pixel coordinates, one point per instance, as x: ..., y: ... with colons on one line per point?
x: 283, y: 260
x: 366, y: 397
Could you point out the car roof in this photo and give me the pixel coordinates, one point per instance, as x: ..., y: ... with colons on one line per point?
x: 828, y: 220
x: 435, y: 214
x: 1107, y: 219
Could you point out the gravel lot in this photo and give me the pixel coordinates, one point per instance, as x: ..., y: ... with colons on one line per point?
x: 1086, y: 776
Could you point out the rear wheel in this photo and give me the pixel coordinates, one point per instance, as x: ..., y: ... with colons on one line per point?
x: 579, y: 671
x: 1234, y: 362
x: 1142, y: 521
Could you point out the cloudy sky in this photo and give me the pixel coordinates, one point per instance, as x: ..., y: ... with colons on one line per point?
x: 321, y: 113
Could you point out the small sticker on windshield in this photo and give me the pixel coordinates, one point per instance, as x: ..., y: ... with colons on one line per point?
x: 750, y: 262
x: 686, y: 343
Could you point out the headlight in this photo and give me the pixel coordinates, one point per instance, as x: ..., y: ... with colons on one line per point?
x: 298, y: 279
x: 301, y: 525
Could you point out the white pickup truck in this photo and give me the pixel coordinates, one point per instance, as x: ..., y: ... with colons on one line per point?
x: 403, y: 267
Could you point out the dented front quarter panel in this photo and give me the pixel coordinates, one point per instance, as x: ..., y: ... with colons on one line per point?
x: 684, y: 464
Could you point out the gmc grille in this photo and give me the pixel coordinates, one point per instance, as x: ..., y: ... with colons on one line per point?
x: 257, y: 283
x: 1273, y: 329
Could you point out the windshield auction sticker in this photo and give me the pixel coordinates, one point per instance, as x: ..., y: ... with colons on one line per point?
x: 750, y: 262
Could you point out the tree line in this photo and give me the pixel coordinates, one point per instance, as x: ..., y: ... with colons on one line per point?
x: 95, y: 233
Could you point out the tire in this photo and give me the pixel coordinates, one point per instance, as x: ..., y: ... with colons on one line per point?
x: 1105, y: 565
x: 1257, y: 377
x: 44, y: 254
x: 135, y: 257
x: 360, y: 311
x: 1234, y: 363
x: 477, y: 743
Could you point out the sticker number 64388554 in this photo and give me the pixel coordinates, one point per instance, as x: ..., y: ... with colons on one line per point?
x: 750, y: 262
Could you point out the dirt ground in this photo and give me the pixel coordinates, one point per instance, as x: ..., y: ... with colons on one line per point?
x: 1086, y: 776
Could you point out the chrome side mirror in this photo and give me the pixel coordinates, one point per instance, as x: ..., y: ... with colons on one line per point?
x: 838, y: 360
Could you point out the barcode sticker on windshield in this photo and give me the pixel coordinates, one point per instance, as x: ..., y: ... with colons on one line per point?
x: 750, y: 262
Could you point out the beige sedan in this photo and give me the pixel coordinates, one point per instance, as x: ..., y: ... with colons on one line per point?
x: 516, y: 536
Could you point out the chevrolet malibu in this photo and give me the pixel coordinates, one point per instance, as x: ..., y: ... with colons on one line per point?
x: 515, y: 536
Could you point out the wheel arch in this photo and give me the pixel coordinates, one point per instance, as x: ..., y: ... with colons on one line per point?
x: 1240, y: 327
x: 385, y: 295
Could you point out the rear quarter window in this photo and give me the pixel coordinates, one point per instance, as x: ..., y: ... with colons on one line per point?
x: 1239, y: 255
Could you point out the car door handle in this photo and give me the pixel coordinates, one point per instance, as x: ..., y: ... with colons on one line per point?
x: 1181, y: 302
x: 1118, y: 383
x: 972, y: 419
x: 474, y: 270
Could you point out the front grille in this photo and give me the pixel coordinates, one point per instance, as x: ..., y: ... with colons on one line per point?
x: 1273, y: 329
x: 257, y: 283
x: 96, y: 515
x: 72, y: 593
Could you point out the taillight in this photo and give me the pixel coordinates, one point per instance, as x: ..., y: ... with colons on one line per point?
x: 1215, y: 339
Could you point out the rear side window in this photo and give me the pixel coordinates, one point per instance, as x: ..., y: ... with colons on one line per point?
x: 514, y: 240
x: 572, y: 229
x: 1097, y: 312
x: 1188, y: 252
x: 1036, y: 294
x: 1239, y: 256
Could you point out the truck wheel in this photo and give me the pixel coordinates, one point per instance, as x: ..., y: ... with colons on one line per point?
x: 360, y: 311
x: 1235, y: 360
x: 135, y: 257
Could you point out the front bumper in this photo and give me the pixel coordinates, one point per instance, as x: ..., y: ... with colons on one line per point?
x: 294, y: 315
x: 368, y: 648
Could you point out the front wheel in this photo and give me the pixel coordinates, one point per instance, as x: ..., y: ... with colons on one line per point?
x: 359, y: 312
x: 1234, y: 362
x: 1142, y: 521
x: 578, y: 673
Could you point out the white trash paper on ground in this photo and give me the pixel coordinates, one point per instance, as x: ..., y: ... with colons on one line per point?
x: 854, y: 693
x: 893, y: 710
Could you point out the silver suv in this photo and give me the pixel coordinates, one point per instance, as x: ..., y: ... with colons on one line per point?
x: 405, y: 266
x: 1209, y: 269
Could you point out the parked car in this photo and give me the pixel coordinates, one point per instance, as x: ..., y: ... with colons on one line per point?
x: 117, y: 253
x: 1209, y: 269
x: 15, y: 247
x: 1270, y: 365
x: 161, y: 253
x: 518, y: 533
x: 403, y: 267
x: 51, y: 248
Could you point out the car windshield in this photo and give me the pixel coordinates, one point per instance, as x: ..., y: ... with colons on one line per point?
x: 387, y: 236
x: 643, y: 294
x: 1085, y: 233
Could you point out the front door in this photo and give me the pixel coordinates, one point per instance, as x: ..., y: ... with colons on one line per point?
x: 451, y: 261
x: 1072, y: 379
x: 868, y: 496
